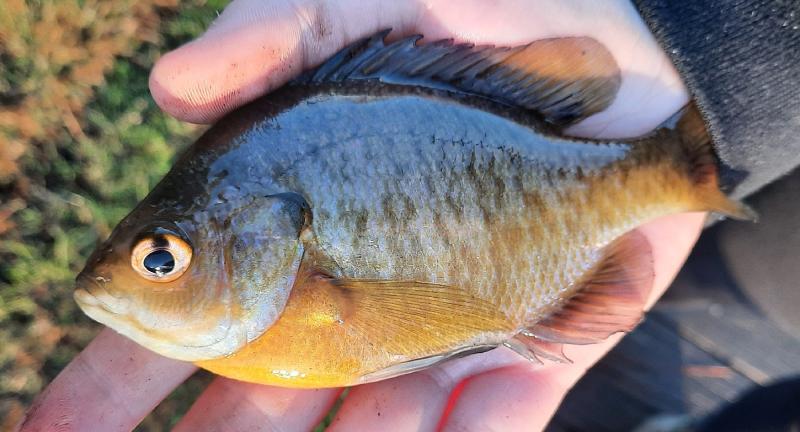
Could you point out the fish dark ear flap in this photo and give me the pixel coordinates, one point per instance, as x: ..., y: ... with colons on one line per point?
x: 266, y: 229
x: 283, y: 214
x: 610, y: 299
x: 565, y: 80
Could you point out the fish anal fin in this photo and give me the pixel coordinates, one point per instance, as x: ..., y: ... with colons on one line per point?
x: 609, y: 299
x: 563, y: 79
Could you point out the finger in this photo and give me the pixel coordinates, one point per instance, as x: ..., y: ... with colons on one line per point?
x: 112, y: 385
x: 513, y: 398
x: 411, y: 402
x: 522, y: 396
x: 256, y: 46
x: 229, y: 405
x: 415, y: 401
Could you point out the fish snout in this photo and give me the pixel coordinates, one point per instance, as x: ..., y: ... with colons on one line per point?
x: 91, y: 293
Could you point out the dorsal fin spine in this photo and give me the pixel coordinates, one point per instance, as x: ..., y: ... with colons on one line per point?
x: 582, y: 81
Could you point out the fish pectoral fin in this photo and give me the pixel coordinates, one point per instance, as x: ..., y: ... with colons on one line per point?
x: 610, y: 299
x: 414, y: 309
x: 411, y: 324
x: 563, y: 79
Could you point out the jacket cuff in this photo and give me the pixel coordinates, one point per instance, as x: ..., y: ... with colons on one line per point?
x: 741, y: 63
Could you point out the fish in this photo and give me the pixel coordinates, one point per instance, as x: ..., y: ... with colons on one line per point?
x: 401, y: 205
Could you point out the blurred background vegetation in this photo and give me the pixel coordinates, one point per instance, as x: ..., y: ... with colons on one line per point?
x: 81, y: 142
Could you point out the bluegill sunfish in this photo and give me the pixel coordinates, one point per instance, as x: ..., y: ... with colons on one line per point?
x: 400, y: 205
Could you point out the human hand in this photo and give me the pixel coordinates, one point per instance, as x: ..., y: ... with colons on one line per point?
x: 254, y: 47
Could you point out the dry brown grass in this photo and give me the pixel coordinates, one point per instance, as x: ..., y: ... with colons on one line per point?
x: 58, y: 52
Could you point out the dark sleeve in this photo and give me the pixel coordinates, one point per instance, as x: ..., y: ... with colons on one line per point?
x: 741, y: 62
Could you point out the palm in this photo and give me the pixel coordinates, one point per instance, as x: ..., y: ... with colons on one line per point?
x: 114, y: 383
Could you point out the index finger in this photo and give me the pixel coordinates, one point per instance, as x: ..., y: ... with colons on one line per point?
x: 111, y: 386
x: 255, y: 46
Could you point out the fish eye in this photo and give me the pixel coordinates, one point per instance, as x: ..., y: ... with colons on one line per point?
x: 159, y: 262
x: 161, y: 257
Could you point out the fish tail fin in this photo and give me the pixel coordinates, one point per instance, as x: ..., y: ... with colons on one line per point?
x: 696, y: 145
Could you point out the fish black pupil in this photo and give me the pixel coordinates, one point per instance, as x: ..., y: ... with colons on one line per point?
x: 159, y: 262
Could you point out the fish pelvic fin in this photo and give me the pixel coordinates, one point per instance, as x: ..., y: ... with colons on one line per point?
x: 564, y: 80
x: 696, y: 144
x: 536, y: 350
x: 609, y: 299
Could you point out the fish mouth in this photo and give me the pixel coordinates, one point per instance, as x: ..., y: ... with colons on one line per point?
x: 90, y: 294
x: 94, y: 307
x: 100, y: 305
x: 85, y: 299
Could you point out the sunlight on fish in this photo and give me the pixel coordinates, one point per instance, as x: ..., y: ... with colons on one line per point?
x: 399, y: 206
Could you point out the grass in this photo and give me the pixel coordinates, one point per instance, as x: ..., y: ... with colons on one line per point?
x: 81, y: 142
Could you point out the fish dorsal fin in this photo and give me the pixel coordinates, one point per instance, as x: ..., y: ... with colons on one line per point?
x: 610, y: 298
x: 563, y: 79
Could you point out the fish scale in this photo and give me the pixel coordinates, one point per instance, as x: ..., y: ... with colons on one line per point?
x: 467, y: 177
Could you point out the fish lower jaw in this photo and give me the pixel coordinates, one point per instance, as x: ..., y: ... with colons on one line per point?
x: 84, y: 299
x: 222, y: 347
x: 94, y: 298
